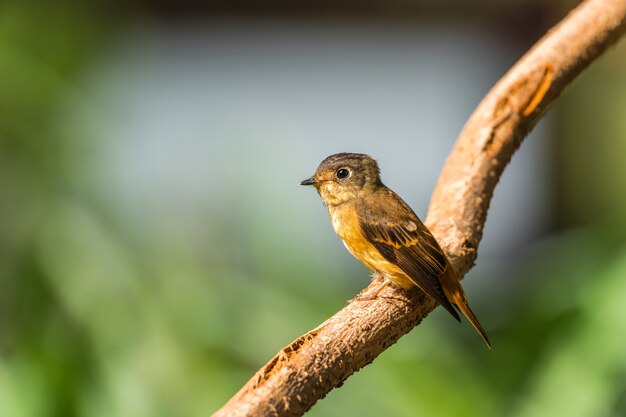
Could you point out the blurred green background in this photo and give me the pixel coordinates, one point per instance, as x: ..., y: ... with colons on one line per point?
x: 156, y: 249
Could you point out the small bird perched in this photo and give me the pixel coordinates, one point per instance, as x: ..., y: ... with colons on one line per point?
x: 384, y: 234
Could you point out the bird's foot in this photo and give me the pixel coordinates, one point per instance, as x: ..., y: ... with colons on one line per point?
x: 372, y: 293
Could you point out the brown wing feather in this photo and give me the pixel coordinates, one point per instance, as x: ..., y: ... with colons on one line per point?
x: 411, y: 246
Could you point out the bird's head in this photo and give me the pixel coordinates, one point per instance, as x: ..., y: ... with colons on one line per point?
x: 345, y: 176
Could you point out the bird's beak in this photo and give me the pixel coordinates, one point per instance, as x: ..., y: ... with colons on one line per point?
x: 309, y: 181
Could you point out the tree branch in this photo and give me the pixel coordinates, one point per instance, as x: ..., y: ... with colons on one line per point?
x: 306, y: 370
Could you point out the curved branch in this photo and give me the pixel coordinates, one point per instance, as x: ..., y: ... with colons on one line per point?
x: 306, y: 370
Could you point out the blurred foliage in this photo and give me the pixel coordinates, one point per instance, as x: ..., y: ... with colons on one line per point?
x: 97, y: 321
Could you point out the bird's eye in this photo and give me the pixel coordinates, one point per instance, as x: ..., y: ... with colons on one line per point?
x: 342, y: 173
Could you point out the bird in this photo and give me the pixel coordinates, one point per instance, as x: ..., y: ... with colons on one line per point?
x: 382, y: 232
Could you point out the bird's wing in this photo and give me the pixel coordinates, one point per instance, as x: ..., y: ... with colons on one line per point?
x: 410, y: 245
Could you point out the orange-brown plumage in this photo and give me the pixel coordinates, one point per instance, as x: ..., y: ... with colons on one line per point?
x: 384, y: 233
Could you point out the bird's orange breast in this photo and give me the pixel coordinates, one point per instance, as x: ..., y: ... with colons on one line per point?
x: 346, y: 223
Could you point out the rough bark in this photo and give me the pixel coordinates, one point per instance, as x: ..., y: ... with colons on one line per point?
x: 306, y: 370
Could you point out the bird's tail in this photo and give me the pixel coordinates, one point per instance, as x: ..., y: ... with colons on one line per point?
x: 471, y: 317
x: 454, y: 292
